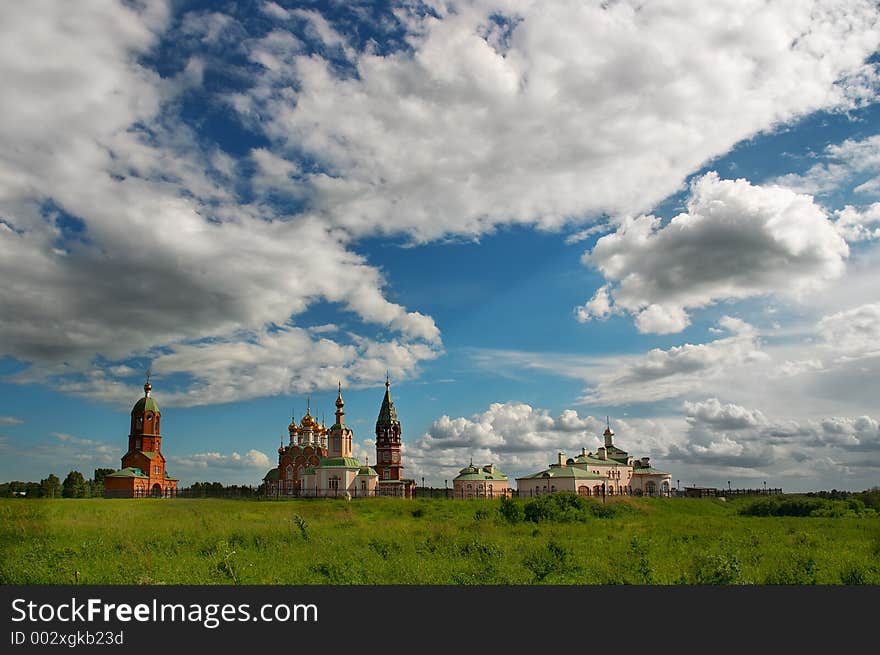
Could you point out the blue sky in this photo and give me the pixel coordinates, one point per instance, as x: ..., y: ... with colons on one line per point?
x: 532, y: 217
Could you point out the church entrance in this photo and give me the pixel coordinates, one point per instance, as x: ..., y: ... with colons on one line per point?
x: 156, y: 490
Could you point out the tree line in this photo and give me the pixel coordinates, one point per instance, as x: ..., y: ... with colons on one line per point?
x: 75, y: 485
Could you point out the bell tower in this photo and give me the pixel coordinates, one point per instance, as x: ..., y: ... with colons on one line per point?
x: 340, y: 434
x: 145, y: 435
x: 388, y: 436
x: 608, y: 434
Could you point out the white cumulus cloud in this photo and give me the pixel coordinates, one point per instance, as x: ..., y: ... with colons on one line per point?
x: 735, y: 241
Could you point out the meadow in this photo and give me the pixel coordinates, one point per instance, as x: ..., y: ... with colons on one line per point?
x: 657, y: 541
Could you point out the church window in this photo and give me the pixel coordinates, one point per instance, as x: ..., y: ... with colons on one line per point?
x: 288, y: 472
x: 334, y: 482
x: 156, y: 470
x: 137, y: 444
x: 395, y: 457
x: 140, y: 421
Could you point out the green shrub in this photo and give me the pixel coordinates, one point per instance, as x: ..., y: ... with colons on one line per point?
x: 511, y: 510
x: 546, y: 561
x: 800, y: 570
x: 481, y: 514
x: 805, y: 506
x: 717, y: 569
x: 559, y: 507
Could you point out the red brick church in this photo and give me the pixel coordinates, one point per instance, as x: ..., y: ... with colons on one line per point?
x: 143, y: 466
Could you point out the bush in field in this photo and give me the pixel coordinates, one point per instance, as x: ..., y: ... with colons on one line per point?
x: 545, y: 561
x: 481, y: 514
x: 511, y: 510
x: 871, y: 498
x: 806, y: 506
x: 716, y: 569
x: 798, y: 570
x: 859, y: 575
x: 557, y: 507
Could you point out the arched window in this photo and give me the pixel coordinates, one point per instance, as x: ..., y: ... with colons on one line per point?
x: 288, y: 472
x: 583, y: 490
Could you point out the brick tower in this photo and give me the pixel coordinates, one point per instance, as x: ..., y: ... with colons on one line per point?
x: 143, y: 465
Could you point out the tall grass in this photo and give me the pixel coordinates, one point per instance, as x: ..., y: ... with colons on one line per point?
x: 428, y: 541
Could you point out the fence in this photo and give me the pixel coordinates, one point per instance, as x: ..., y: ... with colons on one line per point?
x: 713, y: 492
x: 397, y: 491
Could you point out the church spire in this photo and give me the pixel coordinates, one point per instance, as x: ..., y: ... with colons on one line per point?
x: 147, y: 386
x: 609, y: 433
x: 387, y: 413
x: 340, y: 404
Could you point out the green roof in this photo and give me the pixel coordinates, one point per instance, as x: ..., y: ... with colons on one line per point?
x: 475, y: 473
x: 340, y: 462
x: 367, y: 470
x: 586, y: 459
x: 564, y: 472
x: 648, y: 471
x: 387, y: 413
x: 127, y: 472
x: 272, y: 475
x: 145, y: 404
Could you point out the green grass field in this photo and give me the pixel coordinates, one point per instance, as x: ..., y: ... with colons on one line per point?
x: 424, y: 541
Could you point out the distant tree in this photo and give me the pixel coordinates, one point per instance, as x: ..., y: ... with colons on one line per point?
x: 97, y: 483
x: 50, y: 487
x: 19, y: 488
x: 74, y: 485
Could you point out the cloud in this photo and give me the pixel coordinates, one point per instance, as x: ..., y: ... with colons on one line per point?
x: 723, y: 416
x: 677, y: 371
x: 854, y: 163
x: 121, y: 234
x: 852, y: 333
x: 729, y: 435
x: 735, y: 241
x: 496, y: 113
x: 126, y: 230
x: 252, y: 460
x: 859, y: 225
x: 709, y: 442
x: 516, y: 436
x: 10, y: 420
